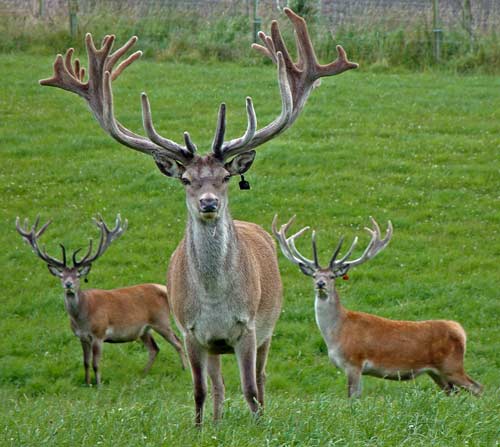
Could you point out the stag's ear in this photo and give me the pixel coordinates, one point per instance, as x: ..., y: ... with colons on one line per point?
x: 84, y: 271
x: 241, y: 163
x: 306, y: 270
x: 168, y: 166
x: 55, y: 270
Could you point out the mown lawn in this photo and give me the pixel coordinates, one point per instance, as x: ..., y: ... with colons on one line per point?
x: 419, y: 149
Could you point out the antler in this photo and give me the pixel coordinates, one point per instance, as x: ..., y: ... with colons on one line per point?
x: 287, y: 244
x: 98, y: 94
x: 107, y: 237
x: 304, y: 74
x: 339, y: 267
x: 376, y: 245
x: 31, y: 237
x: 296, y: 81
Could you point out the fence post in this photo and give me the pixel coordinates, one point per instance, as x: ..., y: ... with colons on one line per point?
x: 257, y: 21
x: 437, y: 31
x: 41, y: 8
x: 467, y: 21
x: 73, y: 19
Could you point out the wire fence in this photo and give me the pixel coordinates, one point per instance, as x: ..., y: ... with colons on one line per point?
x: 411, y: 33
x: 484, y: 14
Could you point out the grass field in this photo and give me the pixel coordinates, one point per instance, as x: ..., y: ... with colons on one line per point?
x: 419, y: 149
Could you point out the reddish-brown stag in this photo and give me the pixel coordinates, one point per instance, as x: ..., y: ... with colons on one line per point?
x: 112, y: 316
x: 365, y: 344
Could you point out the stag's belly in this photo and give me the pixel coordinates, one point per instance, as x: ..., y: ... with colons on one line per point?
x: 218, y: 327
x: 372, y: 369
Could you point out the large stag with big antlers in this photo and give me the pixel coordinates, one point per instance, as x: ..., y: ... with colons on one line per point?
x: 112, y: 316
x: 223, y: 279
x: 365, y: 344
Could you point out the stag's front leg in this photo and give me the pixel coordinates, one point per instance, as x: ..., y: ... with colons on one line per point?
x: 245, y: 352
x: 86, y: 347
x: 214, y: 371
x: 198, y: 362
x: 353, y: 382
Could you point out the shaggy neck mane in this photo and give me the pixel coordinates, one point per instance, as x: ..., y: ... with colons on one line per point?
x: 211, y: 247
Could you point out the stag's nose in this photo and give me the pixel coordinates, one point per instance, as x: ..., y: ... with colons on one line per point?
x: 209, y: 204
x: 321, y: 284
x: 68, y: 284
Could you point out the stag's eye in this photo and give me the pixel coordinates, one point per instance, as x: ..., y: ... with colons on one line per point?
x: 227, y: 178
x: 185, y: 181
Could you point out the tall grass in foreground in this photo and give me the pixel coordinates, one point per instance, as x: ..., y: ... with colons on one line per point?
x: 419, y: 149
x: 386, y: 41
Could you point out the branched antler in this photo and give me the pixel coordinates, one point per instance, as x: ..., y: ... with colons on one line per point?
x: 107, y: 237
x: 303, y: 74
x: 338, y: 267
x: 31, y: 236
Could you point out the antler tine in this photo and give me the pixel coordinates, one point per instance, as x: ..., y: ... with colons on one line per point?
x: 219, y: 132
x: 231, y: 147
x: 84, y: 257
x: 315, y: 249
x: 31, y: 236
x: 293, y: 248
x: 189, y: 143
x: 63, y: 250
x: 336, y: 252
x: 287, y: 244
x: 281, y: 238
x: 349, y: 252
x: 174, y: 150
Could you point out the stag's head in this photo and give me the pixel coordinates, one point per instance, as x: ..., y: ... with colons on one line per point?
x: 205, y: 177
x: 70, y: 274
x: 324, y: 277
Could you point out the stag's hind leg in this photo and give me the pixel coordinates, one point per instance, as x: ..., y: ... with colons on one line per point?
x: 246, y: 353
x: 218, y: 389
x: 462, y: 380
x: 168, y: 334
x: 153, y: 349
x: 96, y: 358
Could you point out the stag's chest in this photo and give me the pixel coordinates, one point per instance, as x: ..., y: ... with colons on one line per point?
x: 328, y: 323
x: 218, y: 315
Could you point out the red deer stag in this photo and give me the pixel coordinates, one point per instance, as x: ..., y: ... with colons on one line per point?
x: 112, y: 316
x: 361, y: 343
x: 223, y: 279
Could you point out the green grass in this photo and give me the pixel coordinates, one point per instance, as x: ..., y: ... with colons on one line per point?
x: 419, y: 149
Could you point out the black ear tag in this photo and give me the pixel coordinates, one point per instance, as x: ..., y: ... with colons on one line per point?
x: 243, y: 183
x: 86, y: 279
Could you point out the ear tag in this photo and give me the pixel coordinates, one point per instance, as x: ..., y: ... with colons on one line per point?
x: 86, y: 279
x: 345, y: 277
x: 243, y: 183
